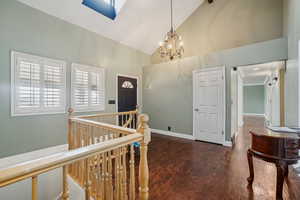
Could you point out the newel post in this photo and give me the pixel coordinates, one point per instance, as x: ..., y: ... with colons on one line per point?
x: 143, y: 168
x: 65, y: 193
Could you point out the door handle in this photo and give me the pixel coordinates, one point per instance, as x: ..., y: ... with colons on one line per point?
x: 196, y: 109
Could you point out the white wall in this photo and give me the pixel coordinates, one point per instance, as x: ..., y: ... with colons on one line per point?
x: 272, y: 101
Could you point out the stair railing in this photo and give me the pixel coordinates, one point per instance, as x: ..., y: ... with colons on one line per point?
x: 98, y: 157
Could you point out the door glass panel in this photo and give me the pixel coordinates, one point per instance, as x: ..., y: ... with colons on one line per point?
x: 127, y: 84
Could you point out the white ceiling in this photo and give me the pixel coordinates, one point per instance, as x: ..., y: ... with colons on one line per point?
x: 258, y: 74
x: 141, y: 24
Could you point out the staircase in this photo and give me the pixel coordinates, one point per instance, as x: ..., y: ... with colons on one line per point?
x: 101, y: 158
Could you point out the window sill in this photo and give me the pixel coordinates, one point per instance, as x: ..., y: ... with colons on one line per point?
x: 37, y: 113
x: 88, y: 110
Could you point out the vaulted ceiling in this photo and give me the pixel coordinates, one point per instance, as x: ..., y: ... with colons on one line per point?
x: 141, y: 24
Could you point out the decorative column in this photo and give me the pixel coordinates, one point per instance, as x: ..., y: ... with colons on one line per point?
x: 87, y: 180
x: 65, y: 194
x: 70, y: 111
x: 34, y: 193
x: 66, y: 169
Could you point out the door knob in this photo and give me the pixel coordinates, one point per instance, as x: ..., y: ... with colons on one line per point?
x: 196, y: 109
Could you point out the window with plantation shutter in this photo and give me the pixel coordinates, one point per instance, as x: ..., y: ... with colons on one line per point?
x: 38, y: 85
x: 87, y: 88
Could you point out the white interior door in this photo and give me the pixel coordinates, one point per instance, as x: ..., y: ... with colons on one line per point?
x: 209, y: 86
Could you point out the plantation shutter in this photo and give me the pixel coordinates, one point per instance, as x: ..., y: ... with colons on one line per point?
x: 81, y: 86
x: 87, y: 88
x: 97, y: 89
x: 53, y: 85
x: 28, y: 85
x: 38, y: 85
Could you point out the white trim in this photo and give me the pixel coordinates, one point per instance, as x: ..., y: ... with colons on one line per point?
x: 218, y: 68
x: 266, y: 80
x: 253, y: 84
x: 41, y: 110
x: 227, y: 144
x: 138, y: 82
x: 254, y: 114
x: 298, y: 83
x: 173, y: 134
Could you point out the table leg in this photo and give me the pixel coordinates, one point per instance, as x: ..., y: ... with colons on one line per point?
x: 286, y: 174
x: 281, y: 172
x: 251, y: 170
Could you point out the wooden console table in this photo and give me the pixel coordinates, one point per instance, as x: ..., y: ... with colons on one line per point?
x: 279, y: 148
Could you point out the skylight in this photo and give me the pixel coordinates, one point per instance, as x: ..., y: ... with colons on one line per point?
x: 108, y: 8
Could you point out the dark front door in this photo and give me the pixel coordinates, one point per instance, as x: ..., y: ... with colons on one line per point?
x: 127, y: 94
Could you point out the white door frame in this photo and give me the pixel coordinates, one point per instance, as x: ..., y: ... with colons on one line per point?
x: 234, y: 102
x: 137, y: 89
x: 298, y: 83
x: 218, y: 68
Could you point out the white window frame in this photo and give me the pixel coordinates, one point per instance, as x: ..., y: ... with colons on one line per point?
x: 41, y: 110
x: 87, y: 68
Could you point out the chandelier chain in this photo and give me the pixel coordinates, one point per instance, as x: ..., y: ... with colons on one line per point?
x: 172, y: 45
x: 172, y: 15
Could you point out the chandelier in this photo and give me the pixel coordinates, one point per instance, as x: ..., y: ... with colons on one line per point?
x: 172, y: 46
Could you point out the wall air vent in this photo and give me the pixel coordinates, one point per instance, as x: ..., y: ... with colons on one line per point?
x: 108, y: 8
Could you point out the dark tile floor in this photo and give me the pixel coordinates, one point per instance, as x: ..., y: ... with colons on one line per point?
x: 188, y: 170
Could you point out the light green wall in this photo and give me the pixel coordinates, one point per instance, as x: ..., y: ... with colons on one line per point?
x: 292, y: 33
x: 227, y: 24
x: 27, y: 30
x: 292, y: 26
x: 254, y: 99
x: 167, y: 87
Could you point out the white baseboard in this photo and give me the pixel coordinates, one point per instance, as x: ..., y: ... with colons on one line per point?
x: 227, y: 144
x: 173, y: 134
x: 184, y: 136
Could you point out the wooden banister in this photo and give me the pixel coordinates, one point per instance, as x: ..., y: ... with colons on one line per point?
x: 110, y: 127
x: 108, y: 114
x: 101, y: 149
x: 129, y: 121
x: 36, y: 167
